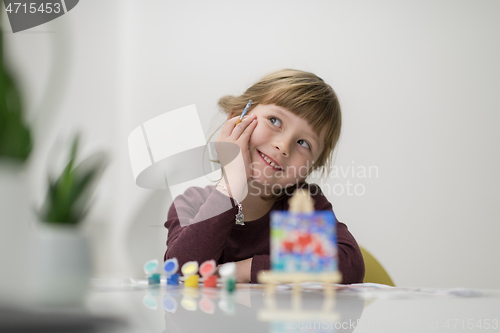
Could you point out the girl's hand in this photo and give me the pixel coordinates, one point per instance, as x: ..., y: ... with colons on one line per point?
x: 243, y: 270
x: 233, y: 141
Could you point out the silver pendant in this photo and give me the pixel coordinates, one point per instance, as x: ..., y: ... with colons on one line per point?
x: 240, y: 218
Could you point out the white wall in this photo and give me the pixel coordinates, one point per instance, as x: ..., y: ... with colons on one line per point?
x: 418, y: 82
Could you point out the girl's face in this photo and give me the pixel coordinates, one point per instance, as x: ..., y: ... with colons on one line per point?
x: 285, y: 140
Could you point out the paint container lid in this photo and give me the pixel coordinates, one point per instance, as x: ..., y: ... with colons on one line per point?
x: 171, y: 266
x: 227, y: 270
x: 189, y: 268
x: 208, y: 268
x: 151, y: 267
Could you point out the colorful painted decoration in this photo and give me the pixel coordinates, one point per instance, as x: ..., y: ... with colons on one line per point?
x: 303, y: 242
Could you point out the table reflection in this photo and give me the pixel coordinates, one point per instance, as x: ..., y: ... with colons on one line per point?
x: 252, y: 309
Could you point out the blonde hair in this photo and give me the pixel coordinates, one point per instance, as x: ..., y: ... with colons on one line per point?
x: 302, y: 93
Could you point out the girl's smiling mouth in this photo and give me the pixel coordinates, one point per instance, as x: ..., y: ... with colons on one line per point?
x: 270, y: 161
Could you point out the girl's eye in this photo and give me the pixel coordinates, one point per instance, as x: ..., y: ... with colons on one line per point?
x: 275, y: 120
x: 306, y: 145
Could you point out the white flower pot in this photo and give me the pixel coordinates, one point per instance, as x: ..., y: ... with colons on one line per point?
x: 62, y: 266
x: 15, y: 234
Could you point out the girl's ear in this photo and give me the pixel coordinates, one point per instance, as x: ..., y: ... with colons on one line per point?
x: 231, y: 115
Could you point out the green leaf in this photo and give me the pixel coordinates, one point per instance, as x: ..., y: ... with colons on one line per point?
x: 15, y: 136
x: 69, y: 195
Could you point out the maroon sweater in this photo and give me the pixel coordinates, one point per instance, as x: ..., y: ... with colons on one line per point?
x: 211, y: 234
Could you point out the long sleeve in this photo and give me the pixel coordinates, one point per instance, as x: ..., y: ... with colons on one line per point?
x: 199, y: 223
x: 261, y: 262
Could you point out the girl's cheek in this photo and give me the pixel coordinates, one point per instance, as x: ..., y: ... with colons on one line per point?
x: 253, y: 136
x: 260, y: 127
x: 256, y: 132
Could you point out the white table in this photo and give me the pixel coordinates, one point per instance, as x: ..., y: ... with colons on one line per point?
x: 253, y: 309
x: 132, y: 306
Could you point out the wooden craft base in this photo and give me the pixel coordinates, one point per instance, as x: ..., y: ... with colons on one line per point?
x: 279, y: 277
x: 271, y: 279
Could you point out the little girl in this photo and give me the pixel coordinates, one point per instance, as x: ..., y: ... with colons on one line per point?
x: 290, y: 130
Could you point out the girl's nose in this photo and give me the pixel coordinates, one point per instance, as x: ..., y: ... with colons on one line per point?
x: 283, y: 148
x: 282, y: 142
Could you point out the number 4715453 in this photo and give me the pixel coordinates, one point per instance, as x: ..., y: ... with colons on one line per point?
x: 47, y: 8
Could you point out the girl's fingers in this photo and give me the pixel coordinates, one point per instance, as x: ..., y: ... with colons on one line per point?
x: 241, y: 127
x: 229, y: 126
x: 245, y: 136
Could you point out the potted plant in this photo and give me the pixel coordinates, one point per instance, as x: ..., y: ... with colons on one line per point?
x: 63, y: 260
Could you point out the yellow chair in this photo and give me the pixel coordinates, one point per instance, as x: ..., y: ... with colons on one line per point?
x: 374, y: 272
